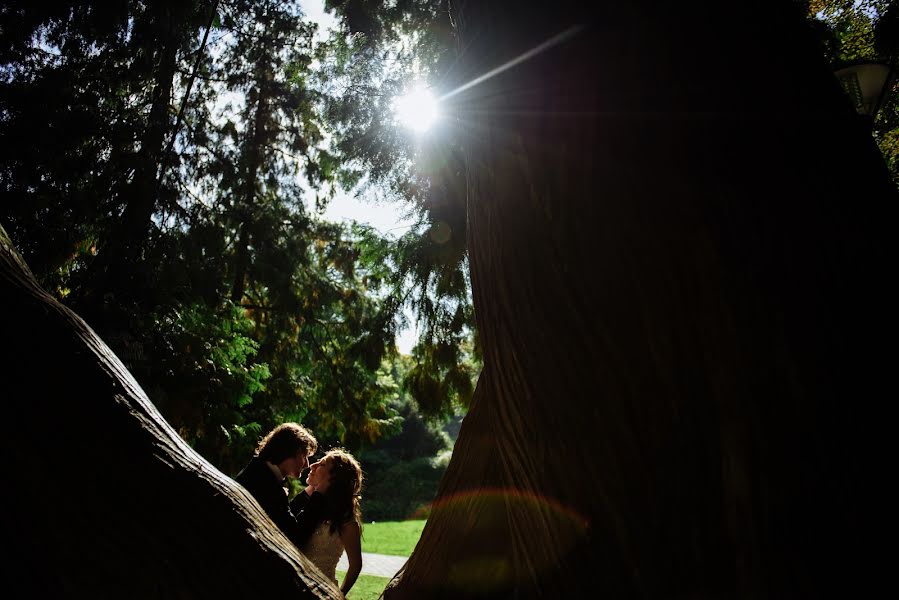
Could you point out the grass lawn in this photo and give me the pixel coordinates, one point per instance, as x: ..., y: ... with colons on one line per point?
x: 391, y: 537
x: 367, y: 587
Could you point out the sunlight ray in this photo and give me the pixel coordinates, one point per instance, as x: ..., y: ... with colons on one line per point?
x: 553, y: 41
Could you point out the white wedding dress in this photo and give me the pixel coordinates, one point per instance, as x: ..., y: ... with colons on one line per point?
x: 324, y: 549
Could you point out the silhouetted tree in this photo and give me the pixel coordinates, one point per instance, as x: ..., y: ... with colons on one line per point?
x: 678, y: 240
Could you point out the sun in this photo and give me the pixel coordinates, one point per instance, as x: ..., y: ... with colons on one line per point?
x: 417, y: 109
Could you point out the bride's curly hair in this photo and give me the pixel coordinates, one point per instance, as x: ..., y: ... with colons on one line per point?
x: 343, y: 496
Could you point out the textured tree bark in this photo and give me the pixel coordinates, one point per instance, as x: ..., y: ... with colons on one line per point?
x: 678, y: 243
x: 101, y: 497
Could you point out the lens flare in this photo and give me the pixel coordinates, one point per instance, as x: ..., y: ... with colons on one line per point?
x: 486, y: 520
x: 417, y: 109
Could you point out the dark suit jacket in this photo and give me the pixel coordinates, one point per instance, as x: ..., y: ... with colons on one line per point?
x: 264, y: 485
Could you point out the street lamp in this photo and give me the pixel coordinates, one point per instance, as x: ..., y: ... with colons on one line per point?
x: 867, y: 83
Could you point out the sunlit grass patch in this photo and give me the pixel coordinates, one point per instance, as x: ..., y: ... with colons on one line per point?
x: 367, y: 587
x: 391, y: 537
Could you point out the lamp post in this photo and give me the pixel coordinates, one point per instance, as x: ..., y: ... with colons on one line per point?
x: 867, y: 83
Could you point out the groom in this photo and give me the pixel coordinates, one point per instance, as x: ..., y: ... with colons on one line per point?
x: 284, y: 453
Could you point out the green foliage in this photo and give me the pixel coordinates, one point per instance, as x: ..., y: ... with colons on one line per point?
x: 399, y: 489
x: 75, y: 104
x: 442, y: 380
x: 201, y: 363
x: 403, y: 470
x: 380, y: 53
x: 233, y: 306
x: 849, y: 27
x: 187, y: 243
x: 851, y: 30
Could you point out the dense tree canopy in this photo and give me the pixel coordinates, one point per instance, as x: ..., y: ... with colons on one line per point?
x: 162, y: 170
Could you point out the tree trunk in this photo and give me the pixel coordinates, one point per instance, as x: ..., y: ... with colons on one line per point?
x: 144, y: 187
x: 102, y: 498
x: 252, y: 158
x: 678, y: 240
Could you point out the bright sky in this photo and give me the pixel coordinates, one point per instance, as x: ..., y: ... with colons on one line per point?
x: 315, y: 10
x: 386, y: 217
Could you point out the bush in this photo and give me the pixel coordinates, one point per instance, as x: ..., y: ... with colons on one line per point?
x: 397, y: 490
x: 402, y: 473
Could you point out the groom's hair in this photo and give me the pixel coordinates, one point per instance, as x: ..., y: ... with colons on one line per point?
x: 285, y: 441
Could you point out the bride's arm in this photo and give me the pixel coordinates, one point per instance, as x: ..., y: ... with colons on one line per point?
x: 350, y: 535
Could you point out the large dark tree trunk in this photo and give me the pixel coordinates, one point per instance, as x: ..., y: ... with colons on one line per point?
x: 252, y: 160
x: 101, y: 497
x: 142, y: 192
x: 247, y: 200
x: 677, y: 234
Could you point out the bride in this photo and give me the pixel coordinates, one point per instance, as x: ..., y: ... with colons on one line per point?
x: 338, y: 477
